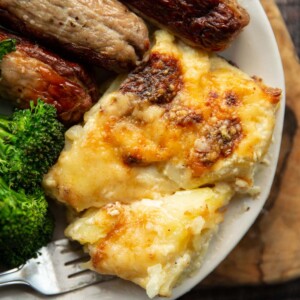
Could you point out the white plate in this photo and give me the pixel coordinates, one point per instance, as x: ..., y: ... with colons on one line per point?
x: 256, y: 53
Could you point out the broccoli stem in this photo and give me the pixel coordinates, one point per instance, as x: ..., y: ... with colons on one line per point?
x: 5, y: 135
x: 5, y: 121
x: 3, y: 185
x: 4, y: 147
x: 5, y: 129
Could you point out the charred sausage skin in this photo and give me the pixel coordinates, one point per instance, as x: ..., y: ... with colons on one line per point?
x: 99, y: 32
x: 208, y: 24
x: 31, y: 72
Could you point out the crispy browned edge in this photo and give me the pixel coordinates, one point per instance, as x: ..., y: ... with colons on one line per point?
x: 63, y: 67
x: 81, y: 53
x: 208, y: 24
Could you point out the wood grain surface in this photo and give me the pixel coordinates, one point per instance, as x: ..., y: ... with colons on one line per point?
x: 290, y: 10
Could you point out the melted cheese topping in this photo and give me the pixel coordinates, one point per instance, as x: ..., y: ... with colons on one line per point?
x: 181, y: 120
x: 153, y: 243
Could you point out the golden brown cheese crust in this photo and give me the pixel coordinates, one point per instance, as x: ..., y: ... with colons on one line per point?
x: 181, y: 120
x: 152, y: 242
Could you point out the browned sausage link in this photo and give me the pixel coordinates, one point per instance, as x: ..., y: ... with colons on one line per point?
x: 103, y: 32
x: 31, y: 72
x: 209, y: 24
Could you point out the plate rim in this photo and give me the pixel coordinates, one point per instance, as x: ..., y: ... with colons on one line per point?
x: 190, y: 283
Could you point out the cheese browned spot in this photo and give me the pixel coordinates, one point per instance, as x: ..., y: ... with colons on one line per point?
x: 183, y: 119
x: 157, y: 80
x: 218, y: 141
x: 231, y: 99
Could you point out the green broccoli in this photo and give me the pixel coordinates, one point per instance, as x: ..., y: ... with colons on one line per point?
x: 25, y: 225
x: 30, y: 142
x: 7, y: 46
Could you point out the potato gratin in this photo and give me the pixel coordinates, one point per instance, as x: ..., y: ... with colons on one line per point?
x: 183, y: 119
x: 153, y: 243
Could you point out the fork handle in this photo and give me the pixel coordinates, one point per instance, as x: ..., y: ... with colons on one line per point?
x: 12, y: 277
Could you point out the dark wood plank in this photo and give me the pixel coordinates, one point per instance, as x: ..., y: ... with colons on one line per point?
x: 290, y: 10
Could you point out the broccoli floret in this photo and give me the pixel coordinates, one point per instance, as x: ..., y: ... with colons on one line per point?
x: 25, y: 225
x: 7, y: 46
x: 30, y: 142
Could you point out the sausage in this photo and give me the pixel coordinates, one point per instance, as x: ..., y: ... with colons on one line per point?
x: 100, y: 32
x: 208, y: 24
x: 31, y: 72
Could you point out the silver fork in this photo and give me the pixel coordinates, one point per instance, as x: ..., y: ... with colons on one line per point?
x: 56, y: 270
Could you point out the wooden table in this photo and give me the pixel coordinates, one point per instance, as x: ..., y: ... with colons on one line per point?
x: 290, y: 10
x: 288, y: 290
